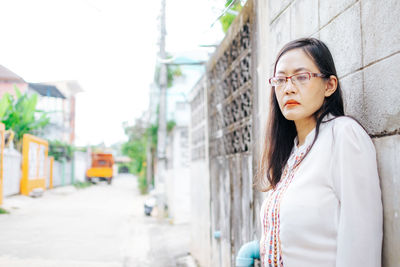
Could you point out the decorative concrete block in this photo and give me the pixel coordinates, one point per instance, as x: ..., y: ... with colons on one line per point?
x: 352, y: 88
x: 380, y: 29
x: 304, y: 18
x: 279, y: 34
x: 275, y: 7
x: 343, y: 37
x: 381, y: 95
x: 328, y: 9
x: 388, y: 157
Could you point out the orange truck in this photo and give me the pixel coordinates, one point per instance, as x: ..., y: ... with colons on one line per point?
x: 101, y: 168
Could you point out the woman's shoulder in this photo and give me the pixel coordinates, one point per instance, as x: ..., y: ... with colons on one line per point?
x: 347, y: 130
x: 346, y: 124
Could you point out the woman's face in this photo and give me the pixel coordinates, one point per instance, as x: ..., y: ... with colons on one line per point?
x: 299, y: 102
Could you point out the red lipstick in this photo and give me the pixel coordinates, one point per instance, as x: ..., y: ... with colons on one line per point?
x: 292, y: 102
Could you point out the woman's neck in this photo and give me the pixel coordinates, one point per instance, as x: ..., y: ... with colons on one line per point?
x: 304, y: 127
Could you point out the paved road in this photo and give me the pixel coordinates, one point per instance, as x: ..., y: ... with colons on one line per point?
x: 99, y: 226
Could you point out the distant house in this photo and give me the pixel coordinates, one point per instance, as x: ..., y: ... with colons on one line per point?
x: 46, y: 90
x: 69, y: 89
x: 8, y: 80
x: 58, y: 99
x: 51, y: 101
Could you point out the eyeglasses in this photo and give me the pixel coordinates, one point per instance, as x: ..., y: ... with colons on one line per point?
x: 299, y: 78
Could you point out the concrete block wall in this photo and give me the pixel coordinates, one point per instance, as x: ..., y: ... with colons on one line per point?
x: 57, y: 173
x: 364, y: 38
x: 12, y: 172
x: 47, y: 171
x: 388, y: 149
x: 200, y: 234
x: 67, y: 173
x: 81, y: 165
x: 61, y: 173
x: 231, y: 94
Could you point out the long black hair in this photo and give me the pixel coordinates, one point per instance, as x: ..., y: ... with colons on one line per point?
x: 281, y: 132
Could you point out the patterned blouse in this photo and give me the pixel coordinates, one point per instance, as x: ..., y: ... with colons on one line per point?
x: 327, y: 209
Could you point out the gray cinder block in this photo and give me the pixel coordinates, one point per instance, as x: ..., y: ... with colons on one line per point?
x: 380, y: 28
x: 304, y: 21
x: 388, y: 151
x: 343, y: 37
x: 328, y: 9
x: 352, y: 88
x: 381, y: 96
x: 279, y: 34
x: 276, y: 7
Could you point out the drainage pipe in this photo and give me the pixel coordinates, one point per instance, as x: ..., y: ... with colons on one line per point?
x: 248, y: 253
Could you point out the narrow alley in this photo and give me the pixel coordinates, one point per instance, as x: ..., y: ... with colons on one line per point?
x: 102, y: 226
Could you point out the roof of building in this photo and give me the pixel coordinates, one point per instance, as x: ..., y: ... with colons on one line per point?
x: 69, y: 87
x: 46, y: 90
x: 7, y: 75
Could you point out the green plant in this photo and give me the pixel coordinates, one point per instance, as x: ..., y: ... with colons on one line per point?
x: 139, y: 138
x: 227, y: 19
x: 81, y: 149
x: 135, y: 148
x: 20, y: 114
x: 60, y: 151
x: 173, y: 71
x: 170, y: 126
x: 81, y: 185
x: 3, y: 211
x: 142, y: 181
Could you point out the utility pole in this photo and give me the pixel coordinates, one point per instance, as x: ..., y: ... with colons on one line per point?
x: 162, y: 120
x: 149, y: 153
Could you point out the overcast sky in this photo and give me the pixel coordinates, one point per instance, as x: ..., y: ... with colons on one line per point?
x: 108, y: 46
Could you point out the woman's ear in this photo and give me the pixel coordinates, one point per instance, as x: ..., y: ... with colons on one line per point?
x: 331, y: 85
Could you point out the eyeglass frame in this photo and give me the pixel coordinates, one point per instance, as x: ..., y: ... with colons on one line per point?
x: 310, y: 75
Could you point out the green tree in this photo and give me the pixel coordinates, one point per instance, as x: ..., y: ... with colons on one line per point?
x: 135, y: 147
x: 60, y: 150
x: 140, y: 136
x: 227, y: 19
x: 20, y: 114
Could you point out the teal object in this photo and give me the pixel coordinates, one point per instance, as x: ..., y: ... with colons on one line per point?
x: 217, y: 234
x: 248, y: 253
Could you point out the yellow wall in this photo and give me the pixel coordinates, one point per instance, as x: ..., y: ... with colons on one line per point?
x: 34, y: 159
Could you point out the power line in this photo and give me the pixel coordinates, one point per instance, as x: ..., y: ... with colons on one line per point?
x: 224, y: 11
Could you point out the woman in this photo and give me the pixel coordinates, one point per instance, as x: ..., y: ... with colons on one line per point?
x: 323, y: 206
